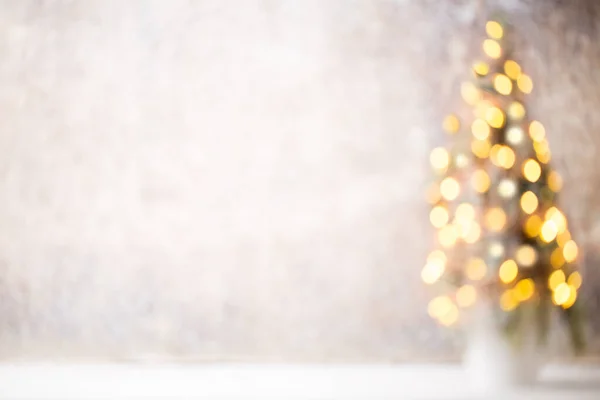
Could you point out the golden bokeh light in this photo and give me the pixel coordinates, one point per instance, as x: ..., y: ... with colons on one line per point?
x: 508, y: 271
x: 470, y: 93
x: 570, y: 251
x: 525, y: 83
x: 507, y: 188
x: 529, y: 202
x: 494, y: 29
x: 450, y: 317
x: 439, y: 306
x: 437, y: 256
x: 526, y: 256
x: 439, y: 159
x: 492, y: 48
x: 555, y: 181
x: 549, y: 231
x: 473, y: 232
x: 563, y: 238
x: 494, y: 117
x: 572, y: 298
x: 512, y: 69
x: 561, y: 294
x: 508, y: 302
x: 465, y: 211
x: 433, y: 271
x: 466, y: 296
x: 481, y: 148
x: 502, y: 156
x: 476, y: 269
x: 515, y: 135
x: 433, y: 194
x: 558, y: 218
x: 480, y: 129
x: 449, y: 188
x: 481, y: 108
x: 524, y: 289
x: 556, y: 278
x: 537, y: 132
x: 533, y: 225
x: 480, y: 181
x: 451, y: 124
x: 447, y: 236
x: 557, y: 260
x: 532, y: 170
x: 575, y: 280
x: 481, y: 68
x: 542, y: 150
x: 438, y: 216
x: 461, y: 160
x: 516, y: 111
x: 495, y: 219
x: 496, y: 249
x: 503, y: 84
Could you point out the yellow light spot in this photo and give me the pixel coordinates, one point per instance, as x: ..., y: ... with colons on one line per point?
x: 529, y: 202
x: 507, y: 188
x: 515, y: 135
x: 525, y: 84
x: 470, y: 93
x: 555, y: 181
x: 473, y: 233
x: 572, y: 298
x: 466, y: 296
x: 537, y: 131
x: 481, y: 68
x: 508, y: 302
x: 433, y: 194
x: 561, y: 294
x: 481, y: 108
x: 439, y: 158
x: 512, y: 69
x: 480, y: 181
x: 495, y: 219
x: 492, y: 48
x: 450, y: 317
x: 465, y: 211
x: 503, y: 84
x: 451, y: 124
x: 556, y: 278
x: 556, y: 258
x: 508, y: 271
x: 575, y: 280
x: 494, y: 29
x: 558, y: 218
x: 516, y: 111
x: 524, y: 289
x: 496, y: 250
x: 549, y: 231
x: 439, y: 306
x: 461, y: 160
x: 563, y: 238
x: 526, y: 256
x: 494, y: 117
x: 449, y: 188
x: 438, y: 216
x: 533, y: 225
x: 447, y: 236
x: 480, y: 129
x: 532, y: 170
x: 433, y: 271
x: 542, y: 150
x: 476, y: 269
x: 570, y: 251
x: 481, y: 148
x: 502, y: 156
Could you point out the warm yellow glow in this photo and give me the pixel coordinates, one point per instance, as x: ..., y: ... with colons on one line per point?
x: 502, y: 156
x: 439, y: 306
x: 555, y: 181
x: 433, y: 271
x: 473, y: 233
x: 451, y: 124
x: 556, y: 278
x: 437, y: 256
x: 496, y: 250
x: 447, y: 236
x: 461, y: 160
x: 450, y: 317
x: 561, y: 294
x: 438, y: 216
x: 514, y: 135
x: 532, y: 170
x: 572, y: 298
x: 481, y: 148
x: 537, y: 132
x: 508, y: 302
x: 503, y: 84
x: 481, y: 108
x: 529, y: 202
x: 495, y: 219
x: 494, y: 29
x: 507, y: 188
x: 524, y: 289
x: 476, y: 269
x: 480, y: 181
x: 570, y: 251
x: 494, y: 117
x: 525, y: 84
x: 433, y: 194
x: 516, y: 111
x: 526, y: 256
x: 470, y: 93
x: 449, y: 188
x: 533, y: 225
x: 492, y: 48
x: 563, y: 238
x: 480, y: 129
x: 508, y: 271
x: 481, y: 68
x: 557, y: 260
x: 542, y: 151
x: 575, y: 280
x: 512, y: 69
x: 549, y: 231
x: 558, y: 218
x: 465, y: 211
x: 466, y: 296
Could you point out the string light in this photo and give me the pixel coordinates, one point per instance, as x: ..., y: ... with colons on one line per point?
x: 473, y: 233
x: 481, y: 148
x: 508, y: 302
x: 533, y: 226
x: 439, y: 306
x: 470, y: 93
x: 563, y: 238
x: 507, y: 188
x: 502, y: 156
x: 525, y: 84
x: 495, y: 219
x: 556, y: 258
x: 529, y: 202
x: 451, y: 124
x: 450, y: 317
x: 549, y: 231
x: 555, y: 181
x: 439, y: 159
x: 494, y: 117
x: 481, y: 68
x: 466, y: 296
x: 494, y: 29
x: 512, y: 69
x: 556, y: 278
x: 480, y: 129
x: 575, y: 280
x: 461, y: 160
x: 558, y: 218
x: 476, y: 269
x: 561, y: 294
x: 480, y: 181
x: 572, y: 298
x: 524, y: 289
x: 496, y: 250
x: 438, y: 216
x: 532, y: 170
x: 503, y: 84
x: 492, y: 48
x: 433, y: 194
x: 514, y: 135
x: 516, y: 111
x: 508, y: 271
x: 526, y: 256
x: 570, y: 251
x: 447, y: 236
x: 433, y: 271
x: 537, y: 132
x: 449, y: 188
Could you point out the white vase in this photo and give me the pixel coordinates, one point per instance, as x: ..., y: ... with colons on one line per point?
x: 491, y: 362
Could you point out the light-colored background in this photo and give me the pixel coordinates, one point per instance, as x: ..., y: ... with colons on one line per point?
x: 226, y: 180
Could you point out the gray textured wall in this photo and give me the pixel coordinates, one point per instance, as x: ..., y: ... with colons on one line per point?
x: 244, y: 179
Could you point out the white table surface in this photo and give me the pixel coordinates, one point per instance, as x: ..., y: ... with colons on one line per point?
x: 272, y: 381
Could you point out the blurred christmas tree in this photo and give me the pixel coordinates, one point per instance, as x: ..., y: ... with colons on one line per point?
x: 501, y: 234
